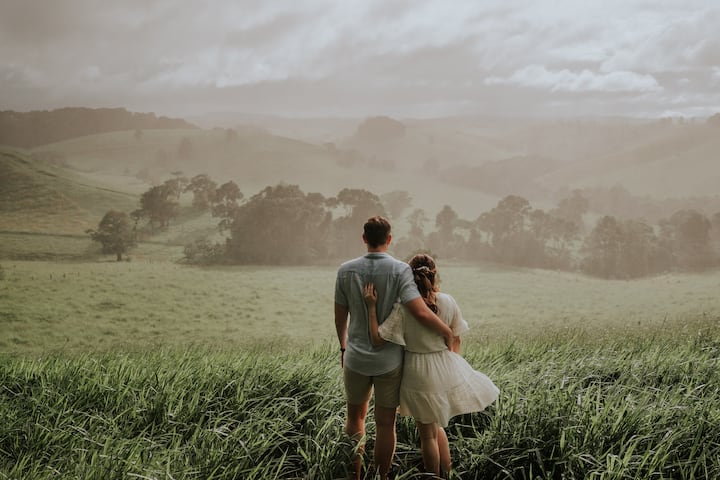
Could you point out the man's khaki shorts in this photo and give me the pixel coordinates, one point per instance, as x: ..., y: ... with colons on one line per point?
x: 358, y: 388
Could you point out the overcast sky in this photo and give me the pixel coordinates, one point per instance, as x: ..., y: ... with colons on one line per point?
x: 364, y: 57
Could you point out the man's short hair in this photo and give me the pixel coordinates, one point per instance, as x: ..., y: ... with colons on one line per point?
x: 376, y: 230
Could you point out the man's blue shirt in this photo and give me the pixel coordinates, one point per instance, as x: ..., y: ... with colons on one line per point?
x: 394, y: 282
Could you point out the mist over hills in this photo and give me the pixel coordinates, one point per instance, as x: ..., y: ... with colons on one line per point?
x: 660, y: 158
x: 468, y: 163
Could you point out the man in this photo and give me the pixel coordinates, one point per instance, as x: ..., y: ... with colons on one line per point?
x: 367, y: 368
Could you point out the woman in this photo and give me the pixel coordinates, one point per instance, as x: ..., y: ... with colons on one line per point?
x: 437, y: 382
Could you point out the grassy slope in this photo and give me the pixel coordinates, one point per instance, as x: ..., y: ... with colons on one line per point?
x: 614, y: 408
x: 41, y: 197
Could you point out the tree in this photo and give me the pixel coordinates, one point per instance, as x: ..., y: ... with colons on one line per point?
x: 688, y: 234
x: 396, y: 202
x: 156, y: 205
x: 554, y: 235
x: 445, y: 241
x: 628, y: 249
x: 572, y: 209
x: 203, y: 189
x: 414, y: 241
x: 507, y: 219
x: 176, y: 186
x: 417, y: 220
x: 603, y: 248
x: 641, y: 251
x: 280, y: 225
x: 507, y: 228
x: 226, y: 202
x: 359, y: 205
x: 115, y: 232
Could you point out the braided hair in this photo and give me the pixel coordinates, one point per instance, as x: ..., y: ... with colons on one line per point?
x: 426, y: 279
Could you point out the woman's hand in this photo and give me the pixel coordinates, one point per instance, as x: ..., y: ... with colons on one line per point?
x: 370, y: 295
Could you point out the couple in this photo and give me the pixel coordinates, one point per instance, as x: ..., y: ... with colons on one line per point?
x: 436, y: 382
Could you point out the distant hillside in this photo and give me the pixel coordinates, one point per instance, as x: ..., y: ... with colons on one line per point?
x: 510, y: 176
x: 40, y: 127
x: 659, y: 159
x: 253, y: 159
x: 428, y: 145
x: 466, y: 163
x: 39, y: 197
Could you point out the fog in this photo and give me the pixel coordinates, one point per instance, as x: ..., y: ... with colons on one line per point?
x: 357, y: 59
x: 458, y: 104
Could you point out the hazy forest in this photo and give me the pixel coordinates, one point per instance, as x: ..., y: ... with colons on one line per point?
x: 166, y: 289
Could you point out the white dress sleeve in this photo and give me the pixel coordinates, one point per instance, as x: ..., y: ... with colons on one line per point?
x: 393, y: 328
x: 458, y: 323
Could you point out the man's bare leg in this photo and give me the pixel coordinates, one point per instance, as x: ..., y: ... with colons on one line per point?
x: 355, y: 429
x: 384, y: 439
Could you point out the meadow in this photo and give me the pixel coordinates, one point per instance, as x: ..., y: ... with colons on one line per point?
x: 155, y: 369
x: 150, y: 302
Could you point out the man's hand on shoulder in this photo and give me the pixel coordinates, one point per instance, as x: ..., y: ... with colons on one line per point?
x: 425, y: 316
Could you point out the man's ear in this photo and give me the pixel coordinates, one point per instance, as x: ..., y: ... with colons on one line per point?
x: 364, y: 239
x: 389, y: 239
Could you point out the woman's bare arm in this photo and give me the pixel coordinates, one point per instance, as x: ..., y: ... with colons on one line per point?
x: 370, y: 296
x: 456, y: 344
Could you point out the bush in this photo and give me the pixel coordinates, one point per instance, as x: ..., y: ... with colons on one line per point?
x: 204, y: 252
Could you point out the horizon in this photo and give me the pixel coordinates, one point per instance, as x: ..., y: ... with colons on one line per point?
x: 238, y: 114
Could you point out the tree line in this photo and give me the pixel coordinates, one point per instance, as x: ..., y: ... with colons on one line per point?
x: 282, y: 225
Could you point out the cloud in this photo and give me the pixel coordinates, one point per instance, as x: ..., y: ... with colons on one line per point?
x: 324, y: 55
x: 539, y: 77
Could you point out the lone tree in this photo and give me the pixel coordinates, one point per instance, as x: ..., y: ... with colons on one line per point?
x: 115, y: 232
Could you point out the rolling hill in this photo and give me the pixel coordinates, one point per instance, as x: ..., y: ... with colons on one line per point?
x: 469, y: 164
x: 254, y: 159
x: 37, y: 196
x: 30, y: 129
x: 531, y: 157
x: 660, y: 160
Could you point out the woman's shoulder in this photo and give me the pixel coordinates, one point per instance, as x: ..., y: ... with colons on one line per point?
x: 444, y: 298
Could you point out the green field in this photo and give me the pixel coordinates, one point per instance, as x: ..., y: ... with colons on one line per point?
x: 76, y: 306
x: 153, y: 369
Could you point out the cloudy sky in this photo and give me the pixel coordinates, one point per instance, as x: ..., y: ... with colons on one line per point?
x: 364, y: 57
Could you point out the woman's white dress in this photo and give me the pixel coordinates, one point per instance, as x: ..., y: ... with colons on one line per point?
x: 437, y: 384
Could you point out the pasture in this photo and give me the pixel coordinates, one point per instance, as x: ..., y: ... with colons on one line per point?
x: 106, y: 305
x: 157, y: 370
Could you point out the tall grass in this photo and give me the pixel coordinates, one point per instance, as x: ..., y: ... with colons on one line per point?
x: 156, y: 370
x: 631, y: 407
